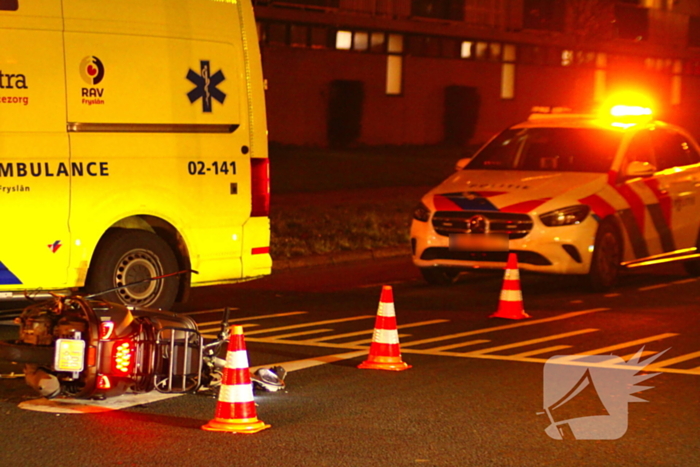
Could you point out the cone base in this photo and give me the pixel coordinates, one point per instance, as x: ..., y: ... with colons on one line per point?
x: 384, y: 363
x: 521, y: 315
x: 250, y: 425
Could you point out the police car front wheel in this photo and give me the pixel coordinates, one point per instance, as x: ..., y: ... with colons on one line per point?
x: 607, y: 256
x: 127, y: 256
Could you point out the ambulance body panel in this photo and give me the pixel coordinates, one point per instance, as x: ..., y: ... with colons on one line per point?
x: 143, y: 116
x: 549, y: 184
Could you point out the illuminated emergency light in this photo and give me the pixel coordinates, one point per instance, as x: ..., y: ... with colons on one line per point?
x: 123, y: 357
x: 630, y: 111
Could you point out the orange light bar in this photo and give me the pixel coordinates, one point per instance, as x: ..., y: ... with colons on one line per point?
x: 629, y: 111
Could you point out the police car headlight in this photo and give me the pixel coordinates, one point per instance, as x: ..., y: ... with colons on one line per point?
x: 565, y: 216
x: 421, y: 213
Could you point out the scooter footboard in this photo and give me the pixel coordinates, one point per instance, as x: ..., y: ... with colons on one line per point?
x: 178, y: 365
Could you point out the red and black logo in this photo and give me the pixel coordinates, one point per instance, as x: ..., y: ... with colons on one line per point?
x: 92, y: 70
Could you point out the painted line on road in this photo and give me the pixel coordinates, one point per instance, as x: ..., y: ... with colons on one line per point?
x: 308, y: 325
x: 370, y: 331
x: 252, y: 318
x: 83, y: 406
x: 505, y: 358
x: 685, y: 281
x: 532, y: 341
x: 623, y: 345
x: 460, y: 344
x: 553, y: 348
x: 672, y: 361
x: 203, y: 312
x: 405, y: 326
x: 303, y: 333
x: 627, y: 357
x: 315, y: 361
x: 504, y: 327
x: 652, y: 287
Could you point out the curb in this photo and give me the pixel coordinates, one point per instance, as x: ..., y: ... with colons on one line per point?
x: 338, y: 258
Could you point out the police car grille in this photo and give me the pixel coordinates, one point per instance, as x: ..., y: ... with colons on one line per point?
x: 514, y: 225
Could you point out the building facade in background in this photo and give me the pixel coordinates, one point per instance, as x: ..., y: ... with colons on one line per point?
x: 393, y: 72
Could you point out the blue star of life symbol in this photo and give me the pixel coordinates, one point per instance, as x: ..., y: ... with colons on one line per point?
x: 206, y: 86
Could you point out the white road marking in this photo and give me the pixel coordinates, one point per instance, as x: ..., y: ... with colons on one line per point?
x: 203, y: 312
x: 532, y: 341
x: 672, y: 361
x: 460, y: 344
x: 527, y: 322
x: 312, y: 362
x: 308, y: 325
x: 252, y: 318
x: 624, y: 345
x: 652, y: 287
x: 685, y: 281
x: 553, y: 348
x: 82, y: 406
x: 303, y: 333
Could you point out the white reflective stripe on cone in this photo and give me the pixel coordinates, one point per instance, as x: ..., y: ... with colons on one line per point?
x: 386, y: 310
x: 511, y: 295
x: 236, y: 359
x: 512, y: 274
x: 386, y: 336
x: 236, y: 393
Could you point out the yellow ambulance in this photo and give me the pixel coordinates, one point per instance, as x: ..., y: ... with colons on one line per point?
x: 132, y: 145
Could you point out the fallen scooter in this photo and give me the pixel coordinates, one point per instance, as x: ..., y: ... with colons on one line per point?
x: 87, y: 348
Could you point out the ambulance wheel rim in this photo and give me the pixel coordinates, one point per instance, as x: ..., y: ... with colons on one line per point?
x: 135, y: 266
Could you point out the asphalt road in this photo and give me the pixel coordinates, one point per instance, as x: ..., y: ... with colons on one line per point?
x: 471, y: 398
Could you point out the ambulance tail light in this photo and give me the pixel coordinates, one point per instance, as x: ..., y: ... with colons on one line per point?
x: 565, y: 216
x: 260, y: 187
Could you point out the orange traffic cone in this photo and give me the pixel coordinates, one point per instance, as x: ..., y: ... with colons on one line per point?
x: 511, y: 304
x: 235, y: 410
x: 384, y: 352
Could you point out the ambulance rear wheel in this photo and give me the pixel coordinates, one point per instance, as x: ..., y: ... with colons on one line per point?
x: 439, y: 275
x: 128, y: 256
x: 607, y: 257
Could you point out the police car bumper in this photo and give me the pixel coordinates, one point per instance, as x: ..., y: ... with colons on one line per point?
x: 553, y: 250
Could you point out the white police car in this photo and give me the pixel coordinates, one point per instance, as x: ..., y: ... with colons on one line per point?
x: 569, y: 194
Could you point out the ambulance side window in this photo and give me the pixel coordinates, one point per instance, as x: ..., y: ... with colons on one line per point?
x: 672, y: 150
x: 9, y: 5
x: 640, y: 148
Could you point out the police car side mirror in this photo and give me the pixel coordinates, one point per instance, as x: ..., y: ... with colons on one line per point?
x: 462, y: 163
x: 639, y: 169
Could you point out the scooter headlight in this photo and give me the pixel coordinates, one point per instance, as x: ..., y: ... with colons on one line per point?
x: 565, y: 216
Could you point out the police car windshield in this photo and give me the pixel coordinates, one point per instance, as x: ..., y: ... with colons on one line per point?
x: 550, y: 149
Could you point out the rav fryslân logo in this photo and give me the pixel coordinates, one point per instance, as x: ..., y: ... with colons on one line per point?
x: 206, y: 86
x: 586, y: 396
x: 93, y: 72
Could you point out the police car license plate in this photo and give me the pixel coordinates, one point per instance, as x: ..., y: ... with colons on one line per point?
x: 479, y: 242
x: 70, y: 355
